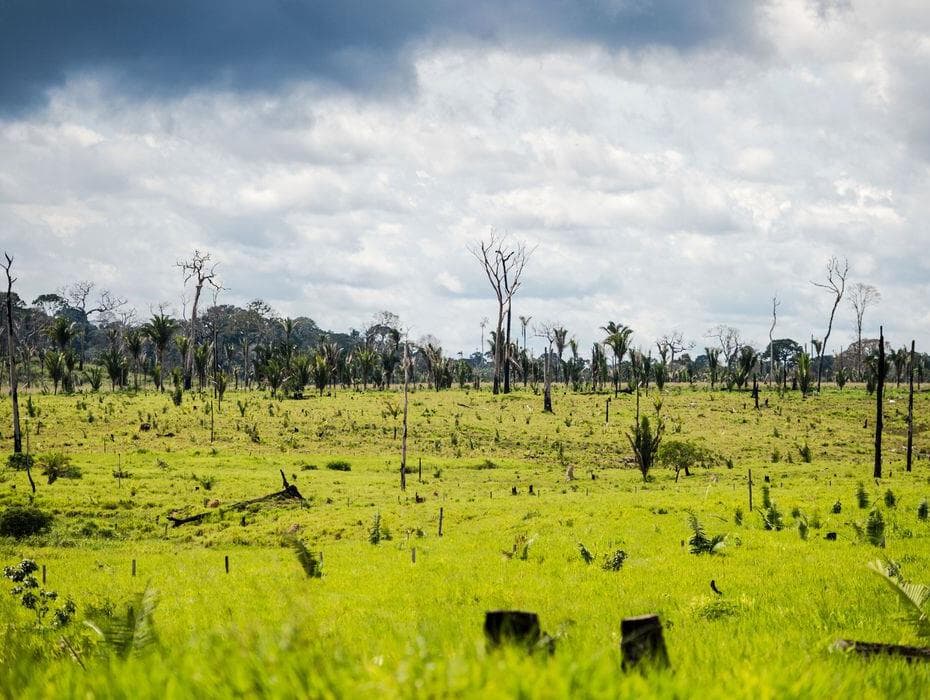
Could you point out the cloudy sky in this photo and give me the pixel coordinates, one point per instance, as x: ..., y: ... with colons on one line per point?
x: 675, y: 164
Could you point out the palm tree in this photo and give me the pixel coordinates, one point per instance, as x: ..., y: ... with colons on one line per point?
x: 135, y: 346
x: 54, y: 362
x: 366, y: 360
x: 62, y: 331
x: 320, y: 371
x: 559, y: 336
x: 160, y: 330
x: 713, y: 363
x: 115, y: 364
x: 201, y: 362
x: 618, y: 340
x: 745, y: 364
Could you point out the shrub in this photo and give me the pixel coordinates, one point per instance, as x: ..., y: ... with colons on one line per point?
x: 875, y: 529
x: 20, y: 461
x: 700, y: 542
x: 682, y: 455
x: 837, y: 508
x: 862, y: 496
x: 890, y: 499
x: 23, y: 521
x: 339, y: 465
x: 614, y: 562
x: 923, y: 510
x: 58, y: 466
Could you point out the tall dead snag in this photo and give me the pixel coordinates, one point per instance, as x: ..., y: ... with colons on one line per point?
x: 910, y: 407
x: 547, y: 332
x: 775, y: 304
x: 198, y: 269
x: 403, y: 441
x: 79, y: 296
x: 861, y: 298
x: 879, y: 391
x: 11, y: 352
x: 836, y: 285
x: 503, y: 264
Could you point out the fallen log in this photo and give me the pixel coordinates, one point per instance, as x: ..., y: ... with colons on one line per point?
x: 869, y: 649
x: 288, y: 492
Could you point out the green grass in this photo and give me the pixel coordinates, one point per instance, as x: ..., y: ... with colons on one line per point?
x: 378, y: 624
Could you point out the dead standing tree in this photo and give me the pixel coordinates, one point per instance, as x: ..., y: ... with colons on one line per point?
x: 198, y: 269
x: 11, y: 353
x: 836, y: 285
x: 775, y: 304
x: 79, y: 294
x: 861, y: 297
x: 547, y: 331
x: 503, y: 264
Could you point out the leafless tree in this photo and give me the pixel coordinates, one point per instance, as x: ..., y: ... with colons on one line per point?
x: 79, y: 295
x: 861, y: 297
x: 11, y: 352
x: 775, y: 304
x: 672, y: 344
x: 547, y: 331
x: 730, y: 341
x: 198, y: 269
x: 836, y: 285
x: 503, y: 263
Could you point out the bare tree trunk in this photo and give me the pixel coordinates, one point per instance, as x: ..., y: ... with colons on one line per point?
x: 191, y: 340
x: 507, y: 349
x: 403, y: 441
x: 547, y: 390
x: 910, y: 408
x: 11, y: 352
x: 879, y: 391
x: 772, y: 340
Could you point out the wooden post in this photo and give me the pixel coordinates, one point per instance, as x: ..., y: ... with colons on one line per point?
x: 226, y: 563
x: 879, y: 391
x: 642, y: 642
x: 440, y: 522
x: 910, y: 408
x: 750, y: 490
x: 133, y: 567
x: 211, y: 420
x: 607, y: 411
x: 43, y: 574
x: 413, y: 555
x: 420, y: 469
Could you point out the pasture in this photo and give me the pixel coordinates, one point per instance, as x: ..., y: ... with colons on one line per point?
x: 402, y: 616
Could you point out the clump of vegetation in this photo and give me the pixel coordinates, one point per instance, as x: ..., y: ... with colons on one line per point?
x: 862, y: 497
x: 682, y: 455
x: 890, y: 499
x: 772, y: 518
x: 738, y: 516
x: 206, y: 482
x: 645, y: 441
x: 700, y: 543
x: 19, y: 461
x: 614, y: 562
x: 58, y: 466
x: 923, y: 510
x: 33, y: 597
x: 521, y: 547
x: 837, y: 508
x: 339, y: 465
x: 24, y: 521
x: 378, y: 532
x: 807, y: 455
x: 875, y: 528
x: 585, y: 553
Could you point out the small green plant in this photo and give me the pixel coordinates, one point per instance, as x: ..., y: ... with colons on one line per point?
x: 585, y: 553
x: 378, y: 532
x: 339, y: 465
x: 776, y: 455
x: 521, y: 547
x: 862, y: 497
x: 806, y: 455
x: 923, y: 510
x: 58, y: 466
x: 645, y: 442
x: 19, y: 461
x: 614, y: 562
x: 130, y: 633
x: 738, y: 516
x: 890, y: 499
x: 206, y: 482
x: 33, y: 597
x: 875, y: 528
x: 700, y: 543
x: 836, y: 508
x: 177, y: 396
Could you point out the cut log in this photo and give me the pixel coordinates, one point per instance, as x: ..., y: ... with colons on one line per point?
x: 288, y: 492
x: 642, y: 642
x: 869, y: 649
x: 511, y: 627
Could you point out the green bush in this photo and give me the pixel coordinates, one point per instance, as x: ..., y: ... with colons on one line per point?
x: 339, y: 465
x: 23, y: 521
x: 19, y: 461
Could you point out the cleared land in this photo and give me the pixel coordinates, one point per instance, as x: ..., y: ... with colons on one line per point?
x: 378, y: 624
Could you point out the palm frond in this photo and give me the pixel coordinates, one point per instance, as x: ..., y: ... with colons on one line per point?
x: 132, y: 633
x: 913, y: 596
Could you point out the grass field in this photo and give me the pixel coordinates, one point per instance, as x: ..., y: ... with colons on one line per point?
x: 378, y: 624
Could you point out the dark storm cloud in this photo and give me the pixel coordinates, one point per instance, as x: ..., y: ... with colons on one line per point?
x: 165, y: 47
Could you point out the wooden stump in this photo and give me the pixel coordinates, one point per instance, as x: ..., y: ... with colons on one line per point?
x: 511, y: 627
x: 642, y: 643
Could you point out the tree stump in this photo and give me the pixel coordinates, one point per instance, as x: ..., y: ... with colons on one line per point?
x: 642, y: 642
x: 511, y: 627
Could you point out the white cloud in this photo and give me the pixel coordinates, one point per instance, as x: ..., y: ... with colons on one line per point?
x: 663, y: 190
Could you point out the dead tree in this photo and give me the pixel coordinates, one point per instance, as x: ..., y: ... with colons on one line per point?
x: 910, y: 407
x: 403, y: 441
x: 79, y: 294
x: 198, y: 269
x: 879, y: 392
x: 11, y: 352
x: 547, y: 331
x: 861, y: 297
x: 836, y: 285
x: 775, y: 304
x: 288, y: 492
x: 503, y: 264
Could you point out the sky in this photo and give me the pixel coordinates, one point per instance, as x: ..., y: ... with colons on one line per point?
x: 672, y: 165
